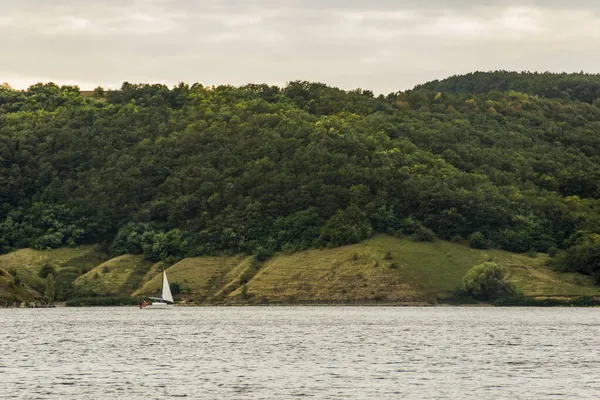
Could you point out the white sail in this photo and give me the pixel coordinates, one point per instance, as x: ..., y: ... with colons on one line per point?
x: 166, y: 291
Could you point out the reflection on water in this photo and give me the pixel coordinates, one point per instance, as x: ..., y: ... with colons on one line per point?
x: 287, y: 352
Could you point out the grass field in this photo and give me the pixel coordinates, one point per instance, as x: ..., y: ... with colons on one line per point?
x: 381, y: 269
x: 390, y: 269
x: 199, y: 278
x: 68, y: 263
x: 120, y: 276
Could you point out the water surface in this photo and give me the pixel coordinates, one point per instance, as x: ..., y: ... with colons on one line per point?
x: 289, y: 352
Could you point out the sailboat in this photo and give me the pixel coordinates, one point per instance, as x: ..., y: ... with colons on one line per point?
x: 166, y: 299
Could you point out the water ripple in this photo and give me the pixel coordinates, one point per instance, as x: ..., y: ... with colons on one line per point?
x: 290, y: 352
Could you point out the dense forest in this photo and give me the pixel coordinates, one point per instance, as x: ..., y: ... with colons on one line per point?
x: 498, y: 159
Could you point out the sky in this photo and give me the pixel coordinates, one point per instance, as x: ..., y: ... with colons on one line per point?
x: 380, y: 45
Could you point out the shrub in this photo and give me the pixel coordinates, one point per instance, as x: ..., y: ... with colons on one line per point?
x: 423, y: 234
x: 345, y: 227
x: 552, y: 251
x: 583, y: 257
x: 261, y: 253
x: 478, y: 241
x: 46, y: 270
x: 486, y: 281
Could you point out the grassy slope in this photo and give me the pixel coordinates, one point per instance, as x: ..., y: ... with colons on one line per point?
x: 412, y: 272
x: 199, y: 278
x: 68, y: 263
x: 120, y: 276
x: 9, y: 291
x: 415, y: 272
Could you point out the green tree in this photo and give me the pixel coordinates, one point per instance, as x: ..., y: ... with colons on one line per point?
x: 583, y: 257
x: 345, y: 227
x: 477, y: 240
x: 99, y: 92
x: 486, y: 281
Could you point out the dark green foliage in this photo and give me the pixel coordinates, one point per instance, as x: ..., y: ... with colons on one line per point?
x: 175, y: 288
x: 423, y: 234
x: 137, y: 238
x: 552, y: 251
x: 99, y: 92
x: 504, y: 159
x: 63, y: 282
x: 42, y: 226
x: 583, y: 257
x: 165, y: 245
x: 525, y: 301
x: 102, y: 301
x: 261, y: 254
x: 130, y: 238
x: 297, y: 231
x: 584, y: 87
x: 345, y: 227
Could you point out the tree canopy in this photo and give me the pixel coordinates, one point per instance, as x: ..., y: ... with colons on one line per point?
x: 510, y: 160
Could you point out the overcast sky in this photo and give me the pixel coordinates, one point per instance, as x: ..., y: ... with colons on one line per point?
x: 382, y: 45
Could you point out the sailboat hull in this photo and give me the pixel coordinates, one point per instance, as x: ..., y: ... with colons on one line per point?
x: 159, y: 306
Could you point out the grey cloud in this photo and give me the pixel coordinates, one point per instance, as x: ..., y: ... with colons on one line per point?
x: 381, y: 45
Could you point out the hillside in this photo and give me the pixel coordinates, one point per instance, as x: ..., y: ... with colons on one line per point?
x: 383, y: 269
x: 26, y: 270
x: 582, y: 87
x: 501, y: 160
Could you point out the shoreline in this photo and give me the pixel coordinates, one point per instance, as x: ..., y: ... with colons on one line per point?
x: 396, y: 305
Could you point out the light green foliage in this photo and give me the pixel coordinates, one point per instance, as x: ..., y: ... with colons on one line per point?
x: 486, y: 281
x: 477, y: 240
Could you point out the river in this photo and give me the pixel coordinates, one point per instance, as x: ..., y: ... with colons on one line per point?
x: 306, y: 352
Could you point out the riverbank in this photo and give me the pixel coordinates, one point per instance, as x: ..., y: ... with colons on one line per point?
x: 383, y: 270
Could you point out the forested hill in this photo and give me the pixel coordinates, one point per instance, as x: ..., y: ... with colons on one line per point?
x: 583, y: 87
x: 198, y: 170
